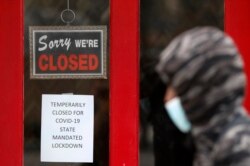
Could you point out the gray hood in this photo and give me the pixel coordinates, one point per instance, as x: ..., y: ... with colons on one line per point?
x: 205, y: 68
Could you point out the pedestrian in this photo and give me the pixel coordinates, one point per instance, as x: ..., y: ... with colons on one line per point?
x: 205, y: 85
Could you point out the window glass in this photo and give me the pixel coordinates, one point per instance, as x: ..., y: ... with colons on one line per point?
x: 48, y: 13
x: 161, y: 21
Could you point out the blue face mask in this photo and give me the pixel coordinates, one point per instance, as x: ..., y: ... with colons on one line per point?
x: 177, y: 114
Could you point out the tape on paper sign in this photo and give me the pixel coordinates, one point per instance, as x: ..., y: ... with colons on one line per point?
x: 67, y: 128
x: 63, y: 52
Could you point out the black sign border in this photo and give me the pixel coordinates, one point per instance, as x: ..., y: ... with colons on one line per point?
x: 102, y: 75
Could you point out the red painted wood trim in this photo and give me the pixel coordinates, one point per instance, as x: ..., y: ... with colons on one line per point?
x: 124, y: 28
x: 11, y: 82
x: 237, y: 15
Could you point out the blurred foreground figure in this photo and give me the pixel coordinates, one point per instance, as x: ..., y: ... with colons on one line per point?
x: 203, y: 73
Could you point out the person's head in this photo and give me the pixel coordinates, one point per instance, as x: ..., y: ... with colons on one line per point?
x: 204, y: 69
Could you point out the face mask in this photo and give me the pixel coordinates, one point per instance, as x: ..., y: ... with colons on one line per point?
x: 177, y: 114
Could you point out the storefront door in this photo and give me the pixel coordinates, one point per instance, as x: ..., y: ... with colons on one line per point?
x: 124, y: 70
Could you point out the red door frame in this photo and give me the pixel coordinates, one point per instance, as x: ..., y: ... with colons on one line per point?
x: 124, y: 28
x: 237, y: 25
x: 11, y: 71
x: 124, y: 82
x: 124, y: 76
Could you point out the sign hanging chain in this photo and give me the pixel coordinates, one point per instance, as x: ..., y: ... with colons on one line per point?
x: 68, y: 4
x: 68, y: 15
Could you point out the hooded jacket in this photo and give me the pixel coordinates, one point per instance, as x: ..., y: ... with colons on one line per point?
x: 205, y: 68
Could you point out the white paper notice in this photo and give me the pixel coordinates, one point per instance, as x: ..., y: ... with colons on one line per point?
x: 67, y: 128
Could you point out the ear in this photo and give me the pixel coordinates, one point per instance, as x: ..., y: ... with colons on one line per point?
x: 169, y: 94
